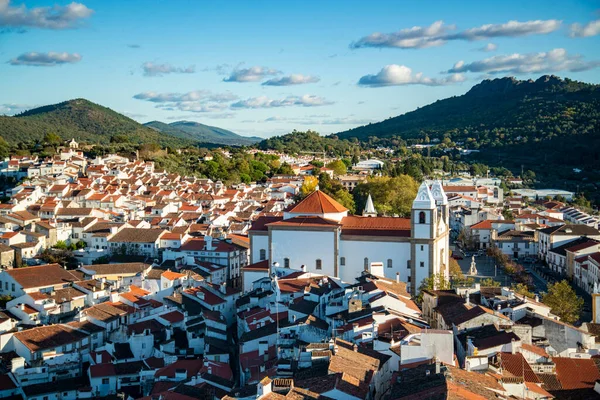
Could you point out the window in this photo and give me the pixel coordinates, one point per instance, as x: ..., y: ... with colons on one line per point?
x: 319, y: 264
x: 421, y: 247
x: 342, y: 260
x: 389, y: 263
x: 422, y: 217
x: 408, y: 264
x: 286, y: 262
x: 526, y: 245
x: 105, y: 381
x: 13, y: 287
x: 366, y: 264
x: 263, y: 254
x: 422, y: 264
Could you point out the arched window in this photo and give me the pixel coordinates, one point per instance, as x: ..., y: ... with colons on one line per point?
x: 342, y: 260
x: 263, y: 254
x: 366, y: 264
x: 319, y: 264
x: 286, y: 262
x: 422, y: 217
x: 389, y: 263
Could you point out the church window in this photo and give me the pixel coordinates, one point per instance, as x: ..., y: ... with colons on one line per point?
x: 366, y: 264
x: 319, y: 264
x: 422, y: 217
x: 342, y: 260
x: 263, y: 254
x: 286, y: 262
x: 422, y: 264
x: 389, y: 263
x: 421, y: 247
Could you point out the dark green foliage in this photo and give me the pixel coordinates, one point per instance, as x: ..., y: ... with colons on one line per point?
x: 310, y: 141
x: 497, y: 113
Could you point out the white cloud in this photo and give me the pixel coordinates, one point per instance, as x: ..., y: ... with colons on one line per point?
x: 198, y: 101
x: 151, y: 69
x: 551, y: 61
x: 590, y: 29
x: 410, y: 38
x: 55, y: 17
x: 265, y: 102
x: 45, y: 59
x: 438, y: 34
x: 509, y: 29
x: 488, y: 48
x: 397, y: 75
x: 252, y: 74
x: 194, y: 95
x: 293, y: 79
x: 14, y: 108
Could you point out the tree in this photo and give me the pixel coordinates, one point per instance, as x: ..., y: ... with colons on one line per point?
x: 523, y: 290
x: 338, y: 167
x: 563, y: 301
x: 433, y: 282
x: 344, y: 197
x: 4, y: 148
x: 52, y: 139
x: 391, y: 196
x: 309, y: 185
x: 489, y: 282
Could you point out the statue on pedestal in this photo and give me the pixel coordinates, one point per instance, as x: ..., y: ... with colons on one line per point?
x: 473, y: 268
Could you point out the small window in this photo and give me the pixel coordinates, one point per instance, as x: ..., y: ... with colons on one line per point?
x: 342, y: 260
x: 366, y: 264
x: 421, y: 247
x: 286, y: 262
x: 422, y: 217
x: 105, y: 381
x: 263, y: 254
x: 407, y: 264
x: 389, y: 263
x: 319, y: 264
x: 422, y: 264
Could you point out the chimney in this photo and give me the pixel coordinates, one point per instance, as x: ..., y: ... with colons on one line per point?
x: 98, y: 358
x: 209, y: 242
x: 468, y: 298
x: 223, y: 287
x: 537, y: 298
x: 397, y: 277
x: 437, y: 367
x: 303, y: 268
x: 512, y: 346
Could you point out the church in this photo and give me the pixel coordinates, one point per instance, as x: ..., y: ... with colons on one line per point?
x: 318, y: 234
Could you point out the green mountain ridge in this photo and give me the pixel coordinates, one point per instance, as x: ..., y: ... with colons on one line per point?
x: 190, y: 130
x: 497, y: 113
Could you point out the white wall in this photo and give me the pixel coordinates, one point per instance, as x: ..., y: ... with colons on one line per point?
x: 259, y: 242
x: 251, y: 276
x: 421, y: 256
x: 304, y: 248
x: 355, y: 252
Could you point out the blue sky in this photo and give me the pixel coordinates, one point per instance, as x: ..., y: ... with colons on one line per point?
x: 264, y: 68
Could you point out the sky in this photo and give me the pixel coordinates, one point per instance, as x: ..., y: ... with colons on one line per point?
x: 264, y: 68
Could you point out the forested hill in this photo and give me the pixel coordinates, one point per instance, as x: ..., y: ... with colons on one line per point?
x: 83, y: 120
x: 202, y: 133
x: 498, y: 112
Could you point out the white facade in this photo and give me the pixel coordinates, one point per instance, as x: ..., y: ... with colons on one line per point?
x: 333, y: 244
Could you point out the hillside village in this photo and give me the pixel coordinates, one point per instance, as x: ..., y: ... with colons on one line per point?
x: 178, y: 287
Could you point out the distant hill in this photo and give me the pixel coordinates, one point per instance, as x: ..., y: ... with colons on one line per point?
x: 498, y: 113
x: 83, y: 120
x: 202, y: 133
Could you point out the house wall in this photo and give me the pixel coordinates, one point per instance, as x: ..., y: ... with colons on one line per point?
x: 304, y: 248
x: 355, y: 250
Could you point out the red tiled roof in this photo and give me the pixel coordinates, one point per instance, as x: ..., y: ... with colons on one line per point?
x: 376, y: 226
x: 312, y: 221
x: 259, y: 266
x: 191, y: 366
x: 535, y: 349
x: 582, y: 246
x: 516, y: 365
x: 173, y: 316
x: 318, y: 203
x: 102, y: 370
x: 576, y: 373
x: 170, y: 275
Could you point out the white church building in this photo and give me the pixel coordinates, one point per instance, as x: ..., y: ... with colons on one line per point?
x: 319, y: 234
